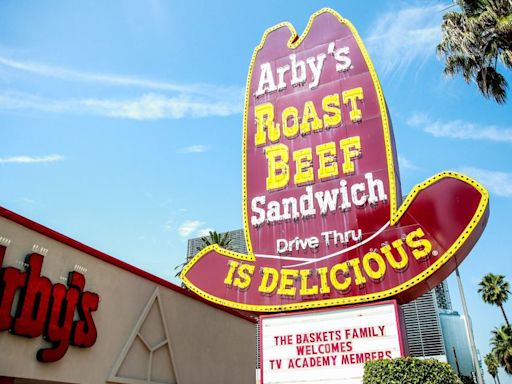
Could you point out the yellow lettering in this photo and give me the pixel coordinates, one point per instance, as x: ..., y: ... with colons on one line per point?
x: 404, y: 259
x: 351, y: 148
x: 343, y: 268
x: 310, y: 119
x: 304, y: 289
x: 287, y: 285
x: 265, y: 121
x: 375, y: 274
x: 290, y: 113
x: 413, y: 241
x: 331, y: 107
x: 268, y: 274
x: 352, y: 95
x: 244, y: 272
x: 328, y: 167
x: 324, y: 287
x: 233, y: 265
x: 304, y: 166
x: 278, y: 168
x: 360, y: 279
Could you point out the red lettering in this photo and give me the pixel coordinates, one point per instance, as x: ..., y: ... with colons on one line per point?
x: 83, y: 332
x: 46, y: 308
x: 33, y: 303
x: 60, y: 320
x: 11, y: 279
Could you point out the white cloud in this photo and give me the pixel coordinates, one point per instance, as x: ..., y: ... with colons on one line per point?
x: 189, y: 226
x: 119, y: 80
x: 498, y: 183
x: 198, y: 148
x: 402, y: 36
x: 31, y: 159
x: 155, y: 106
x: 406, y: 164
x: 458, y: 129
x: 418, y: 120
x: 204, y: 232
x: 150, y: 106
x: 159, y: 100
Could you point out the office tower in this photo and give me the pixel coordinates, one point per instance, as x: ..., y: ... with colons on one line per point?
x: 423, y: 327
x: 457, y: 342
x: 443, y: 296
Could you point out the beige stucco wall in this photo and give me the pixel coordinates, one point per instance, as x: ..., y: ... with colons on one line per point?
x: 208, y: 345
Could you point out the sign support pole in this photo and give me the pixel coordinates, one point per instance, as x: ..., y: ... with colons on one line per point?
x: 469, y: 330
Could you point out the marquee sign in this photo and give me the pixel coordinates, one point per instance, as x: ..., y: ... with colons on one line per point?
x: 324, y: 219
x: 328, y: 345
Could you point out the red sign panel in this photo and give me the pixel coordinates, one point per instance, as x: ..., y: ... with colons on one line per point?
x: 324, y: 219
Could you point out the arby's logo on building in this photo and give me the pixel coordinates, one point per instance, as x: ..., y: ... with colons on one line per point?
x: 62, y: 314
x: 324, y: 219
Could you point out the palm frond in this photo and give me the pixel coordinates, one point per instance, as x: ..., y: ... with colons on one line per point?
x: 474, y: 39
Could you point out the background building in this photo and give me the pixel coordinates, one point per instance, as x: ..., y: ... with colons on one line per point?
x: 456, y: 341
x: 423, y: 327
x: 443, y: 296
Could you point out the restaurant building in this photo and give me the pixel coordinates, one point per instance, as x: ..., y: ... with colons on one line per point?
x: 72, y: 314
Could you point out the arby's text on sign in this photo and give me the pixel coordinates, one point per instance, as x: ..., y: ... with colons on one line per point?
x: 324, y: 219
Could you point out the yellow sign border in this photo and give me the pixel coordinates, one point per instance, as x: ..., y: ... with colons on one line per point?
x: 293, y: 43
x: 479, y: 214
x: 395, y: 212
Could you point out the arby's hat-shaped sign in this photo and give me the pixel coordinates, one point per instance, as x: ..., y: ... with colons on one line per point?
x: 324, y: 219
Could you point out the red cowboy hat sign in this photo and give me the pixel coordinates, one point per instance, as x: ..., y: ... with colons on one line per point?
x: 324, y: 219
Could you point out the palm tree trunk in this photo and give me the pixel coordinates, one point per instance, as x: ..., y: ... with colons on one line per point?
x: 498, y: 377
x: 504, y: 315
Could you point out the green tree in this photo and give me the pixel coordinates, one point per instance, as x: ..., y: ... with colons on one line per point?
x: 495, y: 290
x: 409, y: 370
x: 492, y: 364
x: 214, y: 237
x: 501, y: 342
x: 474, y: 39
x: 466, y: 379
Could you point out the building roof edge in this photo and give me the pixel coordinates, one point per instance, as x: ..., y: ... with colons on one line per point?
x: 30, y: 224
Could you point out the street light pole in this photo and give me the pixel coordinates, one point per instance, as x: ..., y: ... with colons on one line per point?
x: 469, y: 330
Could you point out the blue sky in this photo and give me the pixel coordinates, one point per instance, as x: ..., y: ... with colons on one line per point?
x: 121, y: 121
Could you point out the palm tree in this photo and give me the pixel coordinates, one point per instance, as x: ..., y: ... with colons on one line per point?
x: 492, y: 364
x: 473, y: 41
x: 495, y: 290
x: 214, y: 237
x: 501, y: 342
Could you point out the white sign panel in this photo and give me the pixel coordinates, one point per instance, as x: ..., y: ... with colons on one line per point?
x: 328, y: 346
